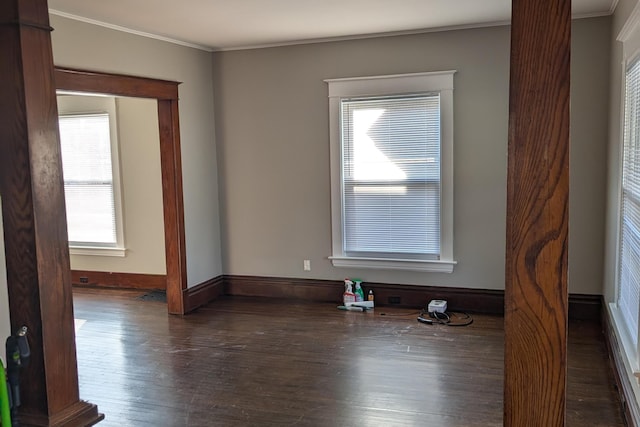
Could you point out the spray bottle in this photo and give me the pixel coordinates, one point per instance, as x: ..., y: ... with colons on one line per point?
x: 358, y: 292
x: 5, y: 405
x: 348, y: 296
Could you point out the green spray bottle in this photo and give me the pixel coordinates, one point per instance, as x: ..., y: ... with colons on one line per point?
x: 358, y: 291
x: 5, y: 407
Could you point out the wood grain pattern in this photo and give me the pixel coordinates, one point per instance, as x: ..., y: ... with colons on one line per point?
x: 118, y: 280
x: 245, y: 361
x: 166, y: 93
x: 537, y: 214
x: 35, y: 231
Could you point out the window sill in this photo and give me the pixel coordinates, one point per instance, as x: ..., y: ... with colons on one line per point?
x: 625, y: 341
x: 434, y: 266
x: 97, y: 251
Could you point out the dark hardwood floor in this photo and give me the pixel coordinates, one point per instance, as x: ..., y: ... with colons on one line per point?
x: 261, y: 362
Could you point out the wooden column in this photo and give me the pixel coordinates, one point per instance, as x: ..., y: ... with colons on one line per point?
x: 35, y: 231
x: 537, y: 214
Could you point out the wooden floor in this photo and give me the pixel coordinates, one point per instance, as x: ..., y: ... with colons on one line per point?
x: 261, y: 362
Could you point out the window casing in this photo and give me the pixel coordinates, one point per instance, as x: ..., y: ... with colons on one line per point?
x: 392, y: 171
x: 628, y: 295
x: 91, y: 183
x: 624, y: 310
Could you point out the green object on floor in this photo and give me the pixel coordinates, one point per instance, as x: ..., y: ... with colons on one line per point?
x: 5, y: 411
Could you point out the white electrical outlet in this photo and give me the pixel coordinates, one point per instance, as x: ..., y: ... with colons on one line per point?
x: 307, y: 265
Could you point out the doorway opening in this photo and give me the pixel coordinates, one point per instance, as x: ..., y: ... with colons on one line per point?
x: 166, y: 95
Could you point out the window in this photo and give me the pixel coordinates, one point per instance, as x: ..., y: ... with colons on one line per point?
x: 392, y: 171
x: 91, y: 196
x: 625, y: 309
x: 629, y: 242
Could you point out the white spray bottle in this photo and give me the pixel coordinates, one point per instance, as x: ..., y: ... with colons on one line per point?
x: 348, y: 297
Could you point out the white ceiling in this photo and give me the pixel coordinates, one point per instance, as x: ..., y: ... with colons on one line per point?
x: 238, y: 24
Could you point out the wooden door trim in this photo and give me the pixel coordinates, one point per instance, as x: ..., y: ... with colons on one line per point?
x: 115, y: 84
x: 166, y: 93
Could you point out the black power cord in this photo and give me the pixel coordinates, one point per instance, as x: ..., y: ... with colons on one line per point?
x: 437, y: 318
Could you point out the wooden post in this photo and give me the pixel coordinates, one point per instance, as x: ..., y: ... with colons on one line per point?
x: 537, y: 214
x: 33, y: 210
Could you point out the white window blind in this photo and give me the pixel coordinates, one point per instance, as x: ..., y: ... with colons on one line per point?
x: 88, y: 179
x: 629, y: 250
x: 391, y: 176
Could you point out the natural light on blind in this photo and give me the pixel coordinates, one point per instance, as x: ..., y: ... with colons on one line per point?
x: 629, y: 256
x: 88, y: 179
x: 391, y: 176
x: 369, y: 162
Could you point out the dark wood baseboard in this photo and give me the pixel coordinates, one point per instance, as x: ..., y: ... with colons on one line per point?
x: 118, y: 280
x: 406, y: 296
x: 202, y: 293
x: 585, y: 307
x: 285, y: 288
x: 630, y: 407
x: 487, y: 301
x: 80, y: 414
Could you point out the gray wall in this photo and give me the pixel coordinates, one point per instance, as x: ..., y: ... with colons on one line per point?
x: 273, y: 151
x: 91, y: 47
x: 588, y: 152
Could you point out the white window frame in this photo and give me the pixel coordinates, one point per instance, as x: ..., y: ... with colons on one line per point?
x: 630, y: 38
x: 390, y: 85
x: 118, y: 249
